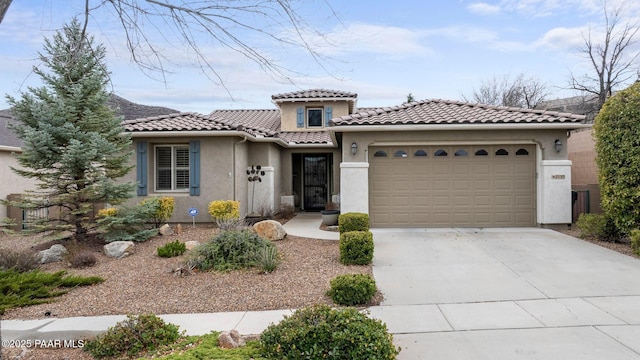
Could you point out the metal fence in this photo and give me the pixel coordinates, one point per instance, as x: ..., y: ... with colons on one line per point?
x: 29, y: 216
x: 580, y: 203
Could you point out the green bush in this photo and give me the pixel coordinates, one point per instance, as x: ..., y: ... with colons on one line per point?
x: 320, y: 332
x: 597, y: 226
x: 352, y: 289
x: 269, y: 259
x: 129, y: 337
x: 163, y: 209
x: 129, y: 223
x: 616, y: 130
x: 230, y: 250
x: 634, y: 236
x: 175, y: 248
x: 18, y: 261
x: 356, y: 247
x: 353, y: 221
x: 18, y: 289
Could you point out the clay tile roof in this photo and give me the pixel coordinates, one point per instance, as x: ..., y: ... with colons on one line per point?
x: 264, y: 122
x: 429, y: 112
x: 314, y: 94
x: 185, y: 121
x: 306, y: 137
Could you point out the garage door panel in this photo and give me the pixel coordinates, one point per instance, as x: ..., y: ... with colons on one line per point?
x: 461, y: 200
x: 400, y: 201
x: 441, y: 201
x: 441, y: 185
x: 473, y: 190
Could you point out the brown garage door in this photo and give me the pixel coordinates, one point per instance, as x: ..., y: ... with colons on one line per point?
x: 445, y: 186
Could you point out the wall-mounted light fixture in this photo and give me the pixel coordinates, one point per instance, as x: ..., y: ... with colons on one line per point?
x: 354, y: 148
x: 557, y: 145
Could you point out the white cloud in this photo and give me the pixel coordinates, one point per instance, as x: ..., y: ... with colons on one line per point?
x: 480, y: 36
x: 378, y: 39
x: 483, y: 8
x: 562, y: 38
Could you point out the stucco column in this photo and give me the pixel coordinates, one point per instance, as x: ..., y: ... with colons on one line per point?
x: 263, y: 198
x: 354, y: 187
x: 554, y: 188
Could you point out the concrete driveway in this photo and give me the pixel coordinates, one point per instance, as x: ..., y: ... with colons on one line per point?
x: 506, y: 294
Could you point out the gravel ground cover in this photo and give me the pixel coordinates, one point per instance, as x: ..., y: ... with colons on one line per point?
x: 144, y: 282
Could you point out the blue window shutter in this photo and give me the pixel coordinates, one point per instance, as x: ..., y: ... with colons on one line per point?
x: 141, y: 167
x: 328, y: 115
x: 300, y: 118
x: 194, y: 168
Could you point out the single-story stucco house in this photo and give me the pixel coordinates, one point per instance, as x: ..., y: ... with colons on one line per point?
x: 432, y: 163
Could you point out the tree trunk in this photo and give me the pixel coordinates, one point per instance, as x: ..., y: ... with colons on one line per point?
x: 4, y: 6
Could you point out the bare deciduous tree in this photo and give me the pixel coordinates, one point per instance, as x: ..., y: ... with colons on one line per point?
x: 521, y: 91
x: 612, y: 57
x: 238, y: 25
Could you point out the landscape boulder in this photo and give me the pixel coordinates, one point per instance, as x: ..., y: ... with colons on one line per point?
x: 119, y: 249
x: 270, y: 229
x: 54, y: 253
x: 191, y: 244
x: 230, y: 339
x: 165, y: 230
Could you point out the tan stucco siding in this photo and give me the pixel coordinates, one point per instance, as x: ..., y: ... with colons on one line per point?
x: 216, y: 177
x: 544, y: 138
x: 288, y: 113
x: 11, y: 183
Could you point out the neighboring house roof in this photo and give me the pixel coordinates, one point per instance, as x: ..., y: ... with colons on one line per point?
x: 444, y: 112
x: 7, y: 137
x: 314, y: 95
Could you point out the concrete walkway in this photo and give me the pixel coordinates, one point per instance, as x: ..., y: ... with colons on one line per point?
x: 506, y: 294
x: 307, y: 224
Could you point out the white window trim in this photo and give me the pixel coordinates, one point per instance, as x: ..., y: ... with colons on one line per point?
x: 321, y: 117
x: 174, y: 168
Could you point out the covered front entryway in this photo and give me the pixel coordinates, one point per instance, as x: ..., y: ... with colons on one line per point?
x: 452, y: 186
x: 314, y: 183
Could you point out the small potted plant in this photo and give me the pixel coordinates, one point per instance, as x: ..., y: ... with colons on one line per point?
x: 330, y: 214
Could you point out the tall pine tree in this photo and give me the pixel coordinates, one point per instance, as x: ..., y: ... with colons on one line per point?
x: 73, y: 143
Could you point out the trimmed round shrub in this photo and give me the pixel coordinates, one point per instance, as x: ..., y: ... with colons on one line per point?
x: 356, y: 248
x: 352, y: 289
x: 175, y: 248
x: 230, y: 250
x: 320, y: 332
x: 135, y: 334
x: 353, y: 221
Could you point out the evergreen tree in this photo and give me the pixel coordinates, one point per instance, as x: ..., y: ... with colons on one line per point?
x: 73, y: 143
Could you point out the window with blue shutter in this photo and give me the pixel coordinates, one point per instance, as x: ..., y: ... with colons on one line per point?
x: 328, y: 115
x: 194, y: 168
x: 141, y: 168
x: 300, y: 118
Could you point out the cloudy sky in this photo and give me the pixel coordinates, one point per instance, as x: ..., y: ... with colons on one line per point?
x: 380, y: 49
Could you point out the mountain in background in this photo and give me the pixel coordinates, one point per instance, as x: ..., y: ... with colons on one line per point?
x: 129, y: 110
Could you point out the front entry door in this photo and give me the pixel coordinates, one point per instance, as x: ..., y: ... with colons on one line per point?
x: 315, y: 170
